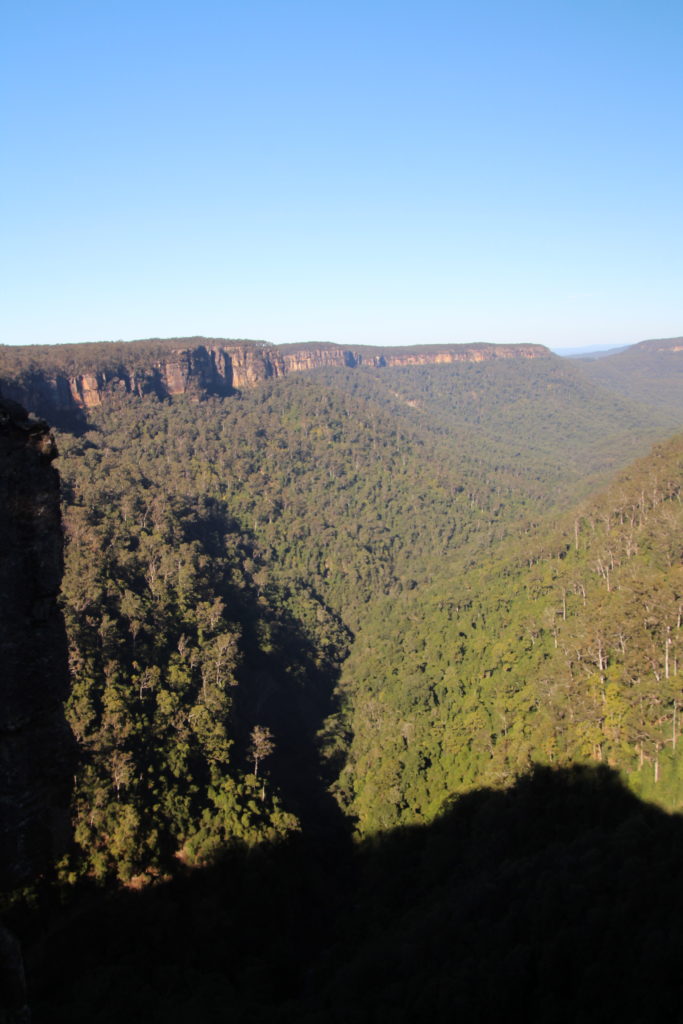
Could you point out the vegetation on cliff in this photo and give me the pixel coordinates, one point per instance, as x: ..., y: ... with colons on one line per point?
x: 100, y: 356
x: 222, y: 556
x: 63, y: 382
x: 396, y: 587
x: 567, y: 648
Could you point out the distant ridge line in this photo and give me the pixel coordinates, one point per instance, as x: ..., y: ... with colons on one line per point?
x: 55, y: 379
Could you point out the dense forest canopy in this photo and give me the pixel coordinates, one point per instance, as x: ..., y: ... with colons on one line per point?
x: 338, y: 603
x: 565, y: 648
x: 225, y: 557
x: 649, y: 373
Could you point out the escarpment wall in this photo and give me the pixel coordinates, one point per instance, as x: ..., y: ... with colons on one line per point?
x: 38, y: 376
x: 36, y: 747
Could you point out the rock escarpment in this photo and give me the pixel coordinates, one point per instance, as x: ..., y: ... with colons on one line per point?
x: 36, y: 747
x: 59, y: 380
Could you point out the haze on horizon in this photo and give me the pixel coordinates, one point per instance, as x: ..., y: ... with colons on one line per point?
x: 382, y: 173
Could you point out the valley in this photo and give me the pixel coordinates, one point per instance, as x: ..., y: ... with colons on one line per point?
x: 445, y: 583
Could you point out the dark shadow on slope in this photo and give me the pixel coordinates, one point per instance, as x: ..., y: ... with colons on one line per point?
x: 54, y: 404
x: 557, y: 900
x: 293, y: 705
x: 287, y: 680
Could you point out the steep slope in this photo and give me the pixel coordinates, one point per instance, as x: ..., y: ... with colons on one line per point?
x: 37, y: 753
x: 175, y: 649
x: 221, y: 555
x: 64, y: 381
x: 650, y: 373
x: 554, y: 900
x: 544, y: 415
x: 36, y: 749
x: 567, y: 649
x: 217, y: 555
x: 225, y: 556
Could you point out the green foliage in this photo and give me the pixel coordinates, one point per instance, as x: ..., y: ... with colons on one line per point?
x: 20, y: 362
x: 648, y: 373
x: 568, y: 649
x: 386, y: 532
x: 225, y: 556
x: 168, y: 613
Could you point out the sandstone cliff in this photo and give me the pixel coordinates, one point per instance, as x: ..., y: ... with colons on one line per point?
x: 36, y: 748
x: 60, y: 380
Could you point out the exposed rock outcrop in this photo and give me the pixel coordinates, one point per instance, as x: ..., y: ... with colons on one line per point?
x: 36, y: 747
x: 57, y: 381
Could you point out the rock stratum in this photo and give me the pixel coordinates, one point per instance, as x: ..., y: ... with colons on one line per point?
x: 69, y: 379
x: 36, y: 747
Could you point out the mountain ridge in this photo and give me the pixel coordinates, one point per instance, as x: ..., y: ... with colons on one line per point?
x: 647, y: 373
x: 73, y: 378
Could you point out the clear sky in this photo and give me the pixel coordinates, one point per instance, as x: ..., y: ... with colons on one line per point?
x: 356, y: 171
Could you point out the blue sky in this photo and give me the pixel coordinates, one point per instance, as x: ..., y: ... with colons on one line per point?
x: 359, y: 172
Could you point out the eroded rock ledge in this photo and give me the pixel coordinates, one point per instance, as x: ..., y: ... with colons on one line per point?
x: 58, y: 379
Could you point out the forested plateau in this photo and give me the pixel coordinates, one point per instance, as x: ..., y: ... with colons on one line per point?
x: 340, y: 639
x: 66, y: 380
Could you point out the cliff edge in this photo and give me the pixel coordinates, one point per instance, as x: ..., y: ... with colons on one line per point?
x: 36, y: 747
x: 58, y: 381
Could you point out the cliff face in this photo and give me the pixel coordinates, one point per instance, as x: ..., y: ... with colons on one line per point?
x: 36, y: 748
x: 200, y: 367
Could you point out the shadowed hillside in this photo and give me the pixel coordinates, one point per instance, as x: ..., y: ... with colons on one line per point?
x: 227, y: 562
x: 555, y: 900
x: 222, y: 555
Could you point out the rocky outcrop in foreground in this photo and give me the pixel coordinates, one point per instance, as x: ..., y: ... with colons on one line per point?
x: 58, y: 379
x: 36, y: 748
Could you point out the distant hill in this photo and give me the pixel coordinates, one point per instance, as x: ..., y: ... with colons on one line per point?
x: 598, y: 353
x: 650, y: 373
